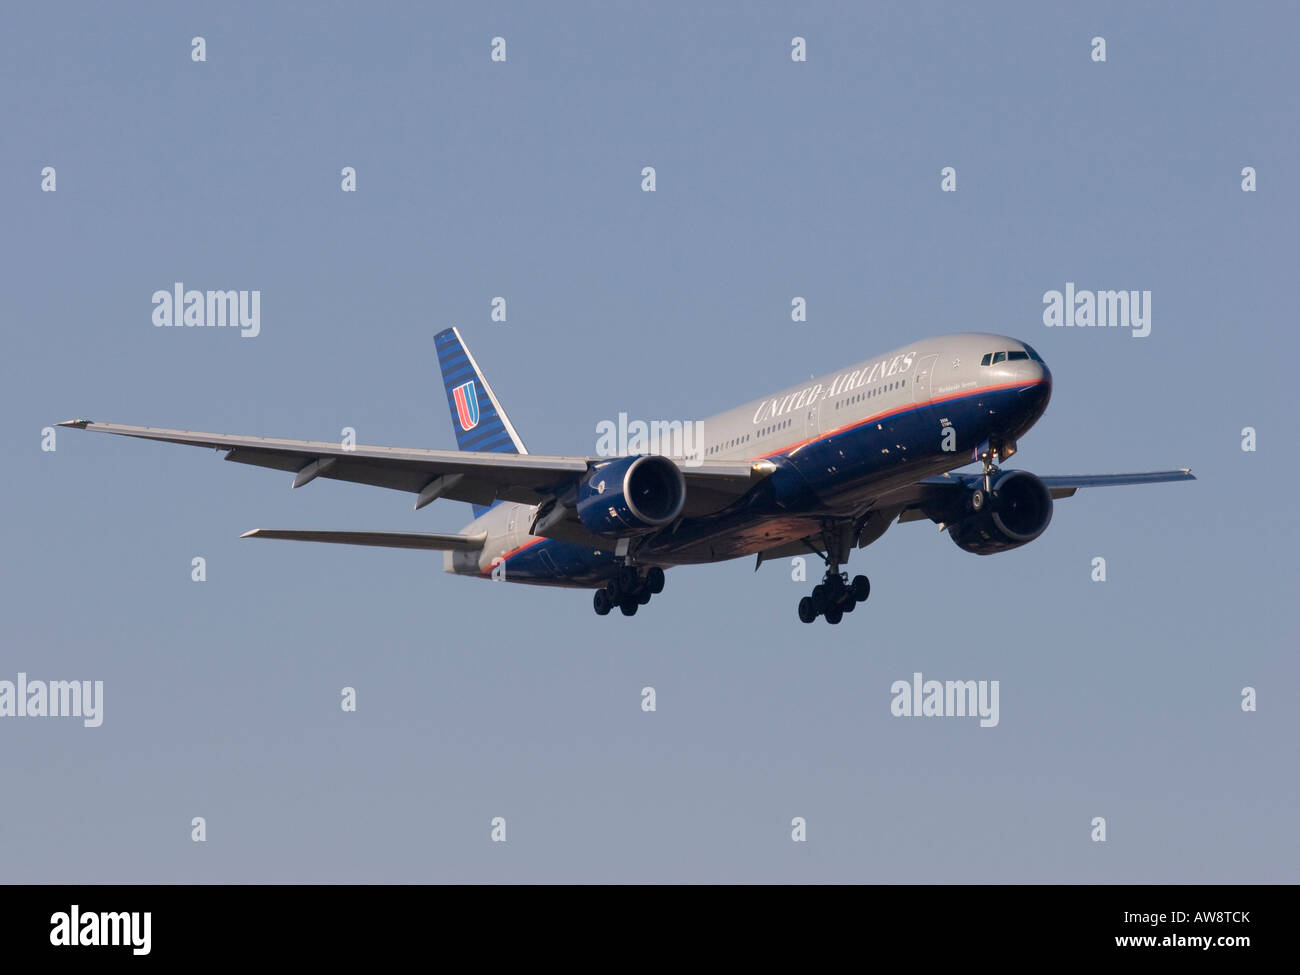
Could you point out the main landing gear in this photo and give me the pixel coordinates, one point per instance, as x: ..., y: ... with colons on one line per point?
x: 835, y: 595
x: 629, y: 591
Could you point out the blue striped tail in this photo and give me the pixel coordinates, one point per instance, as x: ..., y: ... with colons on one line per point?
x: 477, y: 417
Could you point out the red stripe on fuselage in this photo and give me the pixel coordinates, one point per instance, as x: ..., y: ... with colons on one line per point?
x: 533, y: 540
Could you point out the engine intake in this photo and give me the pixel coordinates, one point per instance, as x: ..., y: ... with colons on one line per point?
x: 631, y: 495
x: 1019, y: 510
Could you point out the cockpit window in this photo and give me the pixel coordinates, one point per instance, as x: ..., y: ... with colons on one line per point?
x: 1016, y: 355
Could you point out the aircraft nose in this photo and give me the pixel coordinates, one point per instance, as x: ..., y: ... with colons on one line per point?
x: 1038, y: 386
x: 1040, y: 372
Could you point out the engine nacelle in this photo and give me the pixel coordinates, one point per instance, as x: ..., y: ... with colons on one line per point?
x: 631, y: 495
x: 1019, y: 510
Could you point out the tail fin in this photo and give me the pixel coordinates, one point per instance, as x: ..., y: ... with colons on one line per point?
x: 479, y: 421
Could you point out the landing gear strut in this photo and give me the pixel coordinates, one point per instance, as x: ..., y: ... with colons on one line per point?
x: 995, y: 450
x: 629, y: 590
x: 835, y: 595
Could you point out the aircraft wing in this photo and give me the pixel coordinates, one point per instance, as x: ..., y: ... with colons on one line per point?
x: 927, y: 492
x: 935, y: 497
x: 1064, y: 485
x: 418, y: 540
x: 478, y: 477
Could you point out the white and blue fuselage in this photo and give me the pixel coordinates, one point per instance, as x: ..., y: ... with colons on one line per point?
x: 837, y: 442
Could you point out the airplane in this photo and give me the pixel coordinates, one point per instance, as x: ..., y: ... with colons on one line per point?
x: 821, y: 467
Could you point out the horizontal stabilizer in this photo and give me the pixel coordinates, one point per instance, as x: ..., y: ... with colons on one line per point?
x: 456, y: 543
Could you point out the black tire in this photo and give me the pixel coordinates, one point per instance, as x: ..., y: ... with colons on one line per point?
x: 602, y: 603
x: 643, y: 596
x: 849, y: 604
x: 615, y: 592
x: 819, y: 600
x: 861, y: 588
x: 806, y: 611
x: 654, y: 579
x: 833, y: 615
x: 629, y: 605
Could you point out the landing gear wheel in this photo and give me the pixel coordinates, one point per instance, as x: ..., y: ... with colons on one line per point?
x: 643, y: 596
x: 819, y: 599
x: 834, y: 614
x: 978, y: 499
x: 849, y: 604
x: 629, y: 605
x: 806, y: 611
x: 654, y: 580
x: 861, y: 588
x: 602, y: 603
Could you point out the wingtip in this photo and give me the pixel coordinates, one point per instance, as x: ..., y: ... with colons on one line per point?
x: 79, y: 424
x: 251, y: 533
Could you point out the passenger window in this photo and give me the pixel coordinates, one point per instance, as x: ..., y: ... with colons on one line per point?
x: 999, y: 357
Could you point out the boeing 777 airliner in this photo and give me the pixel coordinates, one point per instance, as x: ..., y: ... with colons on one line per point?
x: 822, y: 467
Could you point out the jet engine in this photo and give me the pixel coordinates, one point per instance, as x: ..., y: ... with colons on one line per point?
x: 1016, y: 511
x: 630, y: 495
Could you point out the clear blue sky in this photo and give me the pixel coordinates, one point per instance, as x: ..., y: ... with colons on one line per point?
x: 522, y: 179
